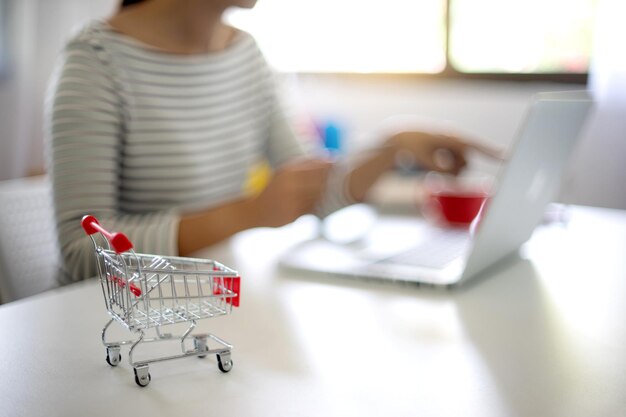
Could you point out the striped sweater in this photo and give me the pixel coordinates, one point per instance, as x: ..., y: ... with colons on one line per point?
x: 137, y: 137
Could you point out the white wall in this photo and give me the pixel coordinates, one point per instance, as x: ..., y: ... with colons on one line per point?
x: 15, y: 90
x: 598, y: 169
x: 36, y: 33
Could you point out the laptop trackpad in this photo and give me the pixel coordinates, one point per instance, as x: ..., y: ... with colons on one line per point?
x: 440, y: 249
x: 397, y: 246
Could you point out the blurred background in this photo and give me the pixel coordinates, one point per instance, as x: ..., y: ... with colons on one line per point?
x: 351, y: 65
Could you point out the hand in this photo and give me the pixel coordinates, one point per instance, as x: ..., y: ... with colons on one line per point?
x: 438, y: 152
x: 294, y: 190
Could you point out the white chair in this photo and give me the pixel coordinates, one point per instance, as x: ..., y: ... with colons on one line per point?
x: 29, y: 253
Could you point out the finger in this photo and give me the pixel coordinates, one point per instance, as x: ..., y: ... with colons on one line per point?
x: 457, y: 168
x: 425, y: 159
x: 312, y: 194
x: 465, y: 144
x: 298, y: 207
x: 301, y: 206
x: 460, y: 162
x: 303, y: 189
x: 308, y: 165
x: 306, y: 186
x: 448, y: 160
x: 311, y: 180
x: 490, y: 151
x: 305, y: 176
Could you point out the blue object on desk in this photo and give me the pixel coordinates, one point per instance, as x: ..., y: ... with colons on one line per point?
x: 332, y: 138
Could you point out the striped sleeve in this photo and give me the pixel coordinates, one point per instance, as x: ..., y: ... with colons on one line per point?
x: 85, y: 122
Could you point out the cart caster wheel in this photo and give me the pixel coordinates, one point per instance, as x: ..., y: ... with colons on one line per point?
x: 142, y: 376
x: 113, y: 356
x: 141, y: 382
x: 225, y: 365
x: 114, y: 362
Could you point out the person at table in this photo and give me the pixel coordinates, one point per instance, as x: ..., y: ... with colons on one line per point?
x: 162, y: 118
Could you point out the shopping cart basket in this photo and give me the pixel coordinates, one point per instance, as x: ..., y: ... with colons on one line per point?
x: 143, y: 292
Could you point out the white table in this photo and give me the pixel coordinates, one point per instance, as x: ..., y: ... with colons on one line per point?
x: 544, y: 336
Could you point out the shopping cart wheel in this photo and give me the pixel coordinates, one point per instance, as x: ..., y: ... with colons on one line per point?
x: 113, y: 355
x: 142, y: 376
x: 224, y: 362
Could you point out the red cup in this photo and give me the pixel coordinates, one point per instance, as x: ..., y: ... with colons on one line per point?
x: 454, y: 201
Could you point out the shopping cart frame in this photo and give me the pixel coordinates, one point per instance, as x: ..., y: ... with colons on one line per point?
x: 129, y: 279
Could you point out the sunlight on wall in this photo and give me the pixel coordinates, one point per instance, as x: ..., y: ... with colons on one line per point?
x: 360, y: 36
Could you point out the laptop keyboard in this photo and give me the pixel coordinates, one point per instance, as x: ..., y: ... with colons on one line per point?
x: 436, y: 251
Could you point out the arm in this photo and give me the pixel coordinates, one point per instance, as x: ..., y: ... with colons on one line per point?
x: 368, y: 169
x: 435, y: 152
x: 297, y: 187
x: 294, y: 190
x: 84, y: 127
x: 196, y: 231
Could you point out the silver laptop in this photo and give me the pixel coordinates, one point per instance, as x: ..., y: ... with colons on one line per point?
x: 407, y: 248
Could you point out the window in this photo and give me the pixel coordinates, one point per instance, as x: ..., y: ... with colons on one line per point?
x: 525, y: 37
x: 362, y: 36
x: 449, y: 37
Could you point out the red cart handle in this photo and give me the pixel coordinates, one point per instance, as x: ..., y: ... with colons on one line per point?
x: 118, y: 241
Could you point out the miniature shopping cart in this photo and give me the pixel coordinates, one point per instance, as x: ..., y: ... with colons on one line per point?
x: 143, y: 292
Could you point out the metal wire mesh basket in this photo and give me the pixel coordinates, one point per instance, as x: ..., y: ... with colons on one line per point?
x: 144, y: 291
